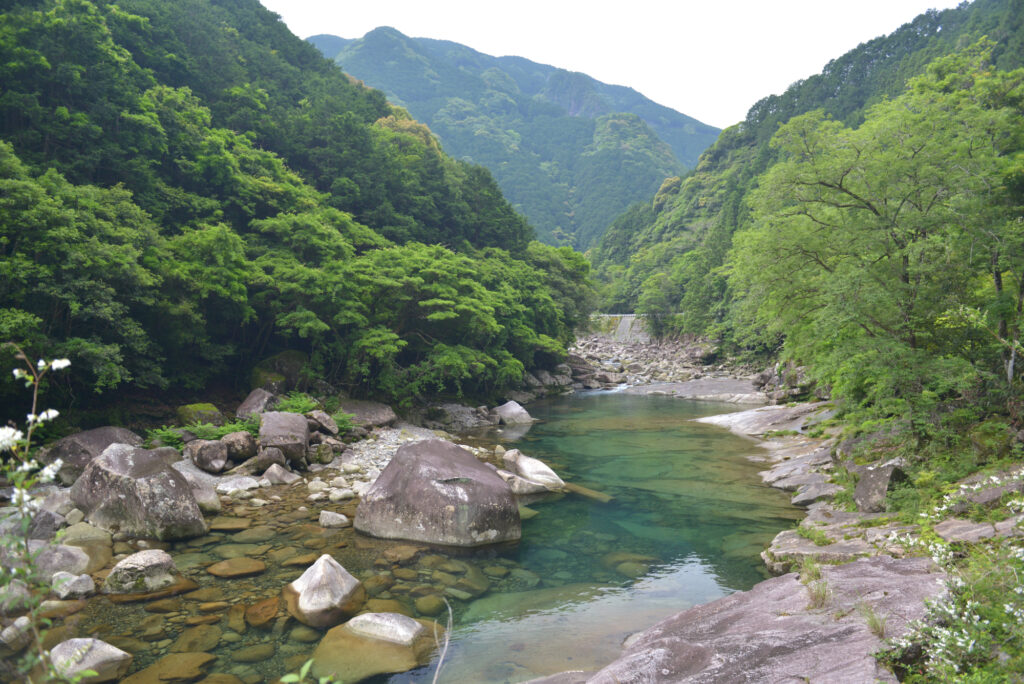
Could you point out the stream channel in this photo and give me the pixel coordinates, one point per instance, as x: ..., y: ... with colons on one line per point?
x: 688, y: 519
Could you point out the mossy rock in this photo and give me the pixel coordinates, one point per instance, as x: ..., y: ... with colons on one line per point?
x: 199, y: 413
x: 283, y: 371
x: 269, y: 380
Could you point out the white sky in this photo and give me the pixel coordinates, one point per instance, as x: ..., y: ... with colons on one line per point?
x: 710, y: 60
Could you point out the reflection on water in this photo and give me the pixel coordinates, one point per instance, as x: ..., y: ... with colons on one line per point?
x: 687, y: 523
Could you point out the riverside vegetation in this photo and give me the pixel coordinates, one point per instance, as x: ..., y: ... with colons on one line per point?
x: 186, y: 188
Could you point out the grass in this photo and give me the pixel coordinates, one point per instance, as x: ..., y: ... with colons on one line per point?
x: 875, y: 621
x: 814, y: 534
x: 819, y: 593
x: 810, y: 570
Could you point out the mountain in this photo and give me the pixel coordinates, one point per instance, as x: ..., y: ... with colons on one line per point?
x: 568, y: 151
x: 187, y: 187
x: 676, y: 242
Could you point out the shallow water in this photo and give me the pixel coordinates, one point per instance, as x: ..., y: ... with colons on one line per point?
x: 686, y: 496
x: 687, y: 522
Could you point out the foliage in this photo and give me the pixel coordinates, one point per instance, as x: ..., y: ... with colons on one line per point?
x: 186, y: 188
x: 297, y: 402
x: 171, y: 436
x: 21, y: 583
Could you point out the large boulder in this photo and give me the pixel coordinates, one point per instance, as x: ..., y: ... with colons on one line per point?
x: 141, y: 573
x: 325, y: 594
x: 73, y: 657
x: 511, y: 413
x: 281, y: 372
x: 368, y: 414
x: 76, y: 451
x: 288, y: 432
x: 132, y: 490
x: 437, y: 492
x: 258, y: 401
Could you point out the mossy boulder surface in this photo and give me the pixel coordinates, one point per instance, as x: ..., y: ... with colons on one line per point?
x: 199, y: 413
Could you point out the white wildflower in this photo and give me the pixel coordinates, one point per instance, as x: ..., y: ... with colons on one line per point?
x: 18, y: 373
x: 48, y: 414
x: 40, y: 364
x: 9, y: 437
x: 48, y: 473
x: 59, y: 364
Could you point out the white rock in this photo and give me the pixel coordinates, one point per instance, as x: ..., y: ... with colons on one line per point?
x: 339, y: 483
x: 317, y: 485
x: 280, y: 475
x: 317, y: 496
x: 337, y: 495
x: 77, y: 655
x: 332, y: 519
x: 17, y: 635
x: 325, y: 594
x: 511, y: 413
x: 393, y: 627
x: 236, y: 484
x: 140, y: 573
x: 67, y: 585
x: 350, y: 468
x: 532, y: 469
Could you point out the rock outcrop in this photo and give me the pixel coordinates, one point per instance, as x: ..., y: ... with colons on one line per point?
x: 772, y: 633
x: 437, y: 492
x: 78, y: 450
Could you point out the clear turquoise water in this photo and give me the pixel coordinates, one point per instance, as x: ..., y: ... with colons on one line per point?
x: 688, y: 505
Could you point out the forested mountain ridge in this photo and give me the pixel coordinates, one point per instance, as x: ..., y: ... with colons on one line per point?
x: 569, y: 151
x: 186, y: 187
x: 674, y: 246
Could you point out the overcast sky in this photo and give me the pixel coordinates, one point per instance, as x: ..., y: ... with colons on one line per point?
x: 710, y: 60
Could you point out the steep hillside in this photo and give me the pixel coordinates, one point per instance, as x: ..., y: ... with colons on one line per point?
x: 668, y: 254
x: 568, y: 151
x: 187, y: 187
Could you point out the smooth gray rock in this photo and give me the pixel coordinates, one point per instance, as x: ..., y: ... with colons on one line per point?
x: 210, y: 455
x: 202, y: 490
x: 955, y: 530
x: 532, y: 469
x: 74, y: 656
x: 788, y: 550
x: 325, y: 594
x: 368, y: 414
x: 511, y: 413
x: 45, y: 524
x: 324, y: 421
x: 332, y: 519
x: 769, y: 634
x: 76, y: 451
x: 437, y: 492
x: 140, y: 573
x: 288, y: 432
x: 131, y: 490
x: 54, y: 558
x: 258, y: 401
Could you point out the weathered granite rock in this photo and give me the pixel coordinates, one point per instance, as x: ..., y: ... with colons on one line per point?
x: 511, y: 413
x: 437, y: 492
x: 324, y: 421
x: 174, y: 668
x: 368, y: 414
x: 202, y: 490
x: 532, y: 469
x: 265, y: 458
x: 240, y: 445
x: 769, y: 634
x: 288, y: 432
x: 210, y: 455
x: 131, y: 490
x: 521, y: 486
x: 15, y: 636
x: 874, y: 484
x: 352, y: 656
x: 67, y: 585
x: 277, y: 474
x: 75, y: 656
x: 141, y: 573
x: 788, y: 550
x: 232, y: 485
x: 76, y: 451
x: 258, y: 401
x: 284, y: 368
x: 199, y: 413
x: 758, y: 421
x: 54, y: 558
x: 44, y: 524
x: 324, y: 595
x: 955, y: 530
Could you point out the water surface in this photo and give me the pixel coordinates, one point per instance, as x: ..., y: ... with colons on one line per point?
x: 688, y: 521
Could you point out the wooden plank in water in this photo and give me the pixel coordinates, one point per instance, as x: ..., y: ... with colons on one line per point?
x: 589, y: 493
